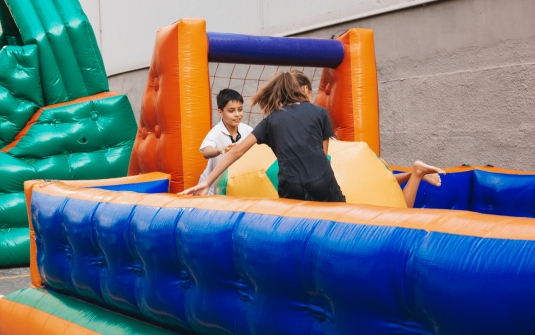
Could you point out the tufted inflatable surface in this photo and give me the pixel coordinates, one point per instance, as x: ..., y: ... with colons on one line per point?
x: 80, y: 140
x: 175, y: 113
x: 504, y: 193
x: 20, y: 89
x: 155, y: 182
x: 56, y: 119
x: 71, y: 64
x: 60, y: 139
x: 213, y: 265
x: 349, y: 92
x: 481, y: 189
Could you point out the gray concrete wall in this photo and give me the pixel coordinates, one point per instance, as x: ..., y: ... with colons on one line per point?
x: 456, y: 82
x: 133, y: 85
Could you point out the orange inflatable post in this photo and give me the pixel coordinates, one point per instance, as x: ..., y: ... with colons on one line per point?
x: 175, y: 113
x: 350, y: 93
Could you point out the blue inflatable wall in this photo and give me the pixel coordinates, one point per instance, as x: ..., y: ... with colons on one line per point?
x: 224, y: 265
x: 484, y: 190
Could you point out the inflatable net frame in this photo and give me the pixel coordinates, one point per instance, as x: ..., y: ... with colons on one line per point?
x: 179, y: 108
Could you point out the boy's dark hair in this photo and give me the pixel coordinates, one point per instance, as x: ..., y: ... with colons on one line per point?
x: 226, y: 95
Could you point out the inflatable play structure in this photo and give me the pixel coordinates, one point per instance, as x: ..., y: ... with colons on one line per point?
x: 57, y: 118
x: 175, y: 109
x: 228, y: 265
x: 123, y: 256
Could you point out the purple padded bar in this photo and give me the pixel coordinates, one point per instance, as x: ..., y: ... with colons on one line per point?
x: 265, y: 50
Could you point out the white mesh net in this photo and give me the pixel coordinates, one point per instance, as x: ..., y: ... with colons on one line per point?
x: 247, y: 80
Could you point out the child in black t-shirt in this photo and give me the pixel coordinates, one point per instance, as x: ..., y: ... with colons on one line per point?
x: 421, y: 171
x: 298, y: 132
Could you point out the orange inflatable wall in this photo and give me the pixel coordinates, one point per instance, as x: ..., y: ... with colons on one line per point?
x: 175, y: 112
x: 350, y: 92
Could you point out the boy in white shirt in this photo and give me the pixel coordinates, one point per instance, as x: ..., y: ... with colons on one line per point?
x: 226, y: 133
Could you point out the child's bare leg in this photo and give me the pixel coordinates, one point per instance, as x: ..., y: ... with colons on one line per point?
x: 433, y: 178
x: 420, y: 170
x: 402, y: 177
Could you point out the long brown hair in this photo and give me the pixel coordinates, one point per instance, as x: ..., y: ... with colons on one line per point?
x: 282, y: 90
x: 302, y: 79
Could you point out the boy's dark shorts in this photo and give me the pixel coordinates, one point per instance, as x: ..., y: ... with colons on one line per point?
x: 325, y: 189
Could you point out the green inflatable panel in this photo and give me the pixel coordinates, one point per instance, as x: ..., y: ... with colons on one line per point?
x: 71, y: 64
x: 14, y: 246
x: 14, y: 210
x: 49, y: 55
x: 9, y: 28
x: 86, y: 140
x: 20, y: 89
x: 89, y: 316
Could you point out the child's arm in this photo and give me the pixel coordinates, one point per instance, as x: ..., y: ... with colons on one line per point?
x: 239, y: 150
x: 211, y: 152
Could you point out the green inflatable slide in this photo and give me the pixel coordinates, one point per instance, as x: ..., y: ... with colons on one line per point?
x: 58, y: 119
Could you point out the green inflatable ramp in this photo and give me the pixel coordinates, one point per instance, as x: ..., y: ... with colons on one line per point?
x: 58, y: 119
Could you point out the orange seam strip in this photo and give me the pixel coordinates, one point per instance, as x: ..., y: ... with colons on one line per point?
x: 14, y: 319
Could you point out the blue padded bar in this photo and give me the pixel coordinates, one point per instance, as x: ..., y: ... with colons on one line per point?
x: 455, y: 192
x: 504, y: 194
x: 482, y: 192
x: 266, y: 50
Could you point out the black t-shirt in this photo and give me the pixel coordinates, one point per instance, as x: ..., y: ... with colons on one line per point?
x: 296, y: 134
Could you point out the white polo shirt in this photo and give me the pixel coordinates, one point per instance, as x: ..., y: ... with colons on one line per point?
x: 219, y: 137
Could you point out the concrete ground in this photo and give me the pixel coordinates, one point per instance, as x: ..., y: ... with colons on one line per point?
x: 13, y: 279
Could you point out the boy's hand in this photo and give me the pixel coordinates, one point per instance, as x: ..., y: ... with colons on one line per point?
x: 200, y: 189
x: 227, y: 148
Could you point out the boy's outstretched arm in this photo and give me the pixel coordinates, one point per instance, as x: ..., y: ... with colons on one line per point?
x: 233, y: 155
x: 326, y: 146
x: 211, y: 152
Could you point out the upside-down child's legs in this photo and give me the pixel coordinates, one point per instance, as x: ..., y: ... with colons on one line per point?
x: 432, y: 178
x: 420, y: 170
